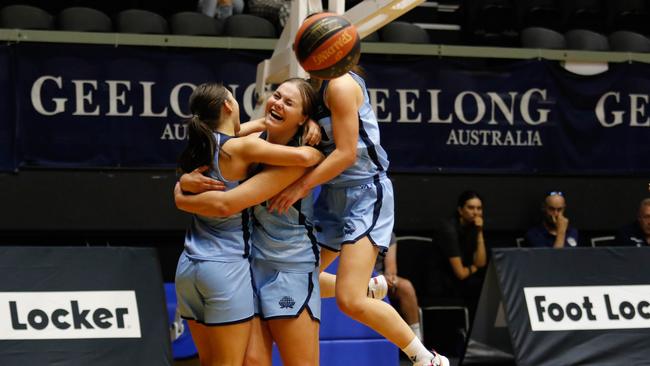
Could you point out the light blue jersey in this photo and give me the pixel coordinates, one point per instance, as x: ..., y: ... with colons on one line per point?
x: 359, y: 202
x: 371, y: 157
x: 286, y: 241
x: 219, y: 239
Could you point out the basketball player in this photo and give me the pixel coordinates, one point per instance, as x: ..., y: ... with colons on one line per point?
x: 355, y: 208
x: 213, y: 278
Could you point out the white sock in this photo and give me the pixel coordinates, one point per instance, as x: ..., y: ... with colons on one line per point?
x: 416, y: 350
x: 415, y: 327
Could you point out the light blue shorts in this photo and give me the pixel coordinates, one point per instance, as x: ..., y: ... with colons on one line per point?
x: 344, y: 215
x: 284, y: 294
x: 214, y: 293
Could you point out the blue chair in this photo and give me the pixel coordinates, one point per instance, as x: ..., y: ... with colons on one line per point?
x: 183, y: 346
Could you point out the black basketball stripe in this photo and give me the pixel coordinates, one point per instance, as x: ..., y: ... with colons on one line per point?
x: 342, y: 66
x: 318, y: 33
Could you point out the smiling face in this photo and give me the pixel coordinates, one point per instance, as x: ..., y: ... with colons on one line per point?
x: 284, y: 109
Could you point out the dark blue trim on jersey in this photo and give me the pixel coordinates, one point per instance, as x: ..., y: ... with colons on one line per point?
x: 372, y: 152
x: 245, y: 221
x: 323, y: 245
x: 302, y: 220
x: 219, y: 324
x: 375, y: 212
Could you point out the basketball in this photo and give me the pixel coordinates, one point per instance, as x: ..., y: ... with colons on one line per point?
x: 327, y: 45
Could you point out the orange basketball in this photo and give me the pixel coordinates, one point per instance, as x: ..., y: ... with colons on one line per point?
x: 327, y: 45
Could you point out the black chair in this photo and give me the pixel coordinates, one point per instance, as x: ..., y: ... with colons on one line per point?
x: 444, y: 317
x: 583, y: 14
x: 537, y: 37
x: 586, y: 40
x: 626, y: 41
x: 247, y: 25
x: 140, y: 21
x: 630, y: 15
x: 195, y: 24
x: 403, y: 32
x: 25, y: 17
x: 82, y: 19
x: 538, y: 13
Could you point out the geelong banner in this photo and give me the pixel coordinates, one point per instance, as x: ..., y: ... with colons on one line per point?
x: 101, y: 106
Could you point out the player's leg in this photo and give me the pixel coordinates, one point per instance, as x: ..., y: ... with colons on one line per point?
x: 297, y: 339
x: 228, y: 343
x: 260, y: 345
x: 227, y: 295
x: 403, y: 294
x: 355, y: 265
x: 201, y: 341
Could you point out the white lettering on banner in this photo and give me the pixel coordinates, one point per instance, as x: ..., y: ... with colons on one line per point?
x: 69, y: 315
x: 637, y: 110
x: 86, y: 104
x: 588, y: 307
x: 174, y: 131
x: 83, y: 97
x: 407, y: 105
x: 378, y: 99
x: 37, y: 102
x: 114, y: 98
x: 494, y: 138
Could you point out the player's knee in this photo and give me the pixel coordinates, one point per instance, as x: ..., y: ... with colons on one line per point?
x: 256, y: 359
x: 350, y: 305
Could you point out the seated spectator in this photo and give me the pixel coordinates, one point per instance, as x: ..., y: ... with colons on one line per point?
x: 461, y: 241
x: 400, y: 290
x: 637, y: 233
x: 220, y: 9
x: 554, y: 231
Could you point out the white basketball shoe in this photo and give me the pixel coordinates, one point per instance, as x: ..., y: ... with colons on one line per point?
x: 437, y: 360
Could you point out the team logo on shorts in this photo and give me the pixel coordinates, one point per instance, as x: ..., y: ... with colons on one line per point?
x: 349, y: 228
x: 287, y: 302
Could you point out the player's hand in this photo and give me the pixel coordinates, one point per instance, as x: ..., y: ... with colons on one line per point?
x: 311, y: 135
x: 285, y: 199
x: 179, y: 197
x: 196, y: 182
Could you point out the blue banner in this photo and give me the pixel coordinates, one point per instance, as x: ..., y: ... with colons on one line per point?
x: 101, y: 106
x: 516, y: 117
x: 7, y: 117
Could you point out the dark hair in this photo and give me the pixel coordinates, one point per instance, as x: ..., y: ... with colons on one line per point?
x: 205, y: 105
x: 466, y: 196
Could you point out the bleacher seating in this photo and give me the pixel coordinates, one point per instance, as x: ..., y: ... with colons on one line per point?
x: 592, y: 25
x: 81, y: 19
x: 141, y: 22
x: 195, y: 24
x: 25, y: 17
